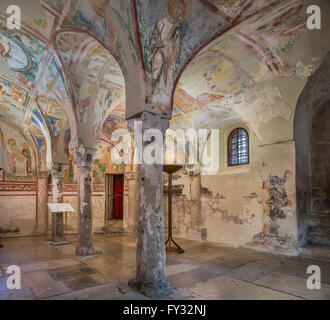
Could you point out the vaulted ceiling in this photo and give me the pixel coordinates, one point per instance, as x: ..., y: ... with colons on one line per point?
x: 66, y: 72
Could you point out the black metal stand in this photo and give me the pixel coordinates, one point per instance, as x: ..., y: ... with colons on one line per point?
x: 171, y: 245
x: 65, y: 241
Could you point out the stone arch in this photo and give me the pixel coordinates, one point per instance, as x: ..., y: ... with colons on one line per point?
x: 315, y: 95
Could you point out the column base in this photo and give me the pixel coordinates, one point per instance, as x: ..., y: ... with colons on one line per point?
x: 59, y: 243
x: 159, y: 290
x: 40, y: 230
x: 84, y: 251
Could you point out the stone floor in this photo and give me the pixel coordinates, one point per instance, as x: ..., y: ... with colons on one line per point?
x: 204, y: 271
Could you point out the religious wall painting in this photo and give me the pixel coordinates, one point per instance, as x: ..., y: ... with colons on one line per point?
x: 13, y: 94
x: 120, y: 23
x: 274, y: 34
x: 187, y: 19
x: 165, y: 46
x: 60, y: 133
x: 13, y: 57
x: 103, y: 164
x: 216, y: 75
x: 230, y: 10
x: 113, y: 123
x: 42, y: 148
x: 54, y: 80
x: 85, y: 17
x: 10, y: 114
x: 32, y: 51
x: 92, y: 93
x: 53, y: 109
x: 105, y: 159
x: 17, y: 158
x: 70, y: 175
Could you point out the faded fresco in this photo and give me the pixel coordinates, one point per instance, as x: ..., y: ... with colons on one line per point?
x: 16, y: 155
x: 104, y: 164
x: 94, y: 87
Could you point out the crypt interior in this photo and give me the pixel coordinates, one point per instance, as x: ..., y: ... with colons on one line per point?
x: 249, y: 70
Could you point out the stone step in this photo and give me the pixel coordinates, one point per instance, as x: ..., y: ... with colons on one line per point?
x: 316, y: 251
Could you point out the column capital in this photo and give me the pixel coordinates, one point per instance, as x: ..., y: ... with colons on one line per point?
x: 84, y: 157
x: 150, y: 121
x: 58, y: 170
x: 44, y: 175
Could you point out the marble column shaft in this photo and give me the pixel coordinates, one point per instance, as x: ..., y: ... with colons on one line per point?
x: 42, y: 213
x: 150, y: 237
x: 57, y: 172
x: 84, y: 163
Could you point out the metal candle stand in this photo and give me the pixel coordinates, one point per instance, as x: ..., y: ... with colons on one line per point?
x: 171, y: 245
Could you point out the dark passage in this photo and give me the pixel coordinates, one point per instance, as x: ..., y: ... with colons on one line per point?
x: 319, y: 223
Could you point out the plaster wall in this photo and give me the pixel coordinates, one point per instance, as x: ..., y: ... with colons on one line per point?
x: 17, y: 213
x: 248, y: 205
x: 98, y: 208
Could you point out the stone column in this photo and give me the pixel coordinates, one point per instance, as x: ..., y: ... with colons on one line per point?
x: 129, y: 221
x: 132, y: 204
x: 150, y: 239
x: 42, y: 212
x: 57, y: 172
x: 84, y: 161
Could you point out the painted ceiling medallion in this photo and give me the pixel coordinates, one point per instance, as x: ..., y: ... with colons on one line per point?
x: 14, y: 54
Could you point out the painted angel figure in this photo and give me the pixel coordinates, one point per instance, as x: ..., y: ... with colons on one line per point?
x: 27, y: 154
x: 11, y: 154
x: 166, y: 45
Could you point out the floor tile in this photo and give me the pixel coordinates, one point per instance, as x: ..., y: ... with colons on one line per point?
x: 226, y: 288
x: 295, y: 286
x: 190, y: 277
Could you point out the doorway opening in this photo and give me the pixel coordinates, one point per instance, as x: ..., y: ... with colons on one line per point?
x: 114, y: 197
x: 311, y: 132
x: 319, y: 222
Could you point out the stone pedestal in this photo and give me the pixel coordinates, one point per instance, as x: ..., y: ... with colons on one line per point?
x: 84, y: 162
x: 57, y: 172
x: 42, y: 212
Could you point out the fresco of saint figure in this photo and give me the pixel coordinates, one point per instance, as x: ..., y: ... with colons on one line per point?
x: 27, y: 154
x: 166, y: 45
x: 43, y: 155
x: 11, y: 153
x: 106, y: 159
x: 67, y: 139
x: 58, y: 129
x: 70, y: 175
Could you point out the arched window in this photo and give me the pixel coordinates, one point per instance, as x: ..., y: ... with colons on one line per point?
x: 238, y: 147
